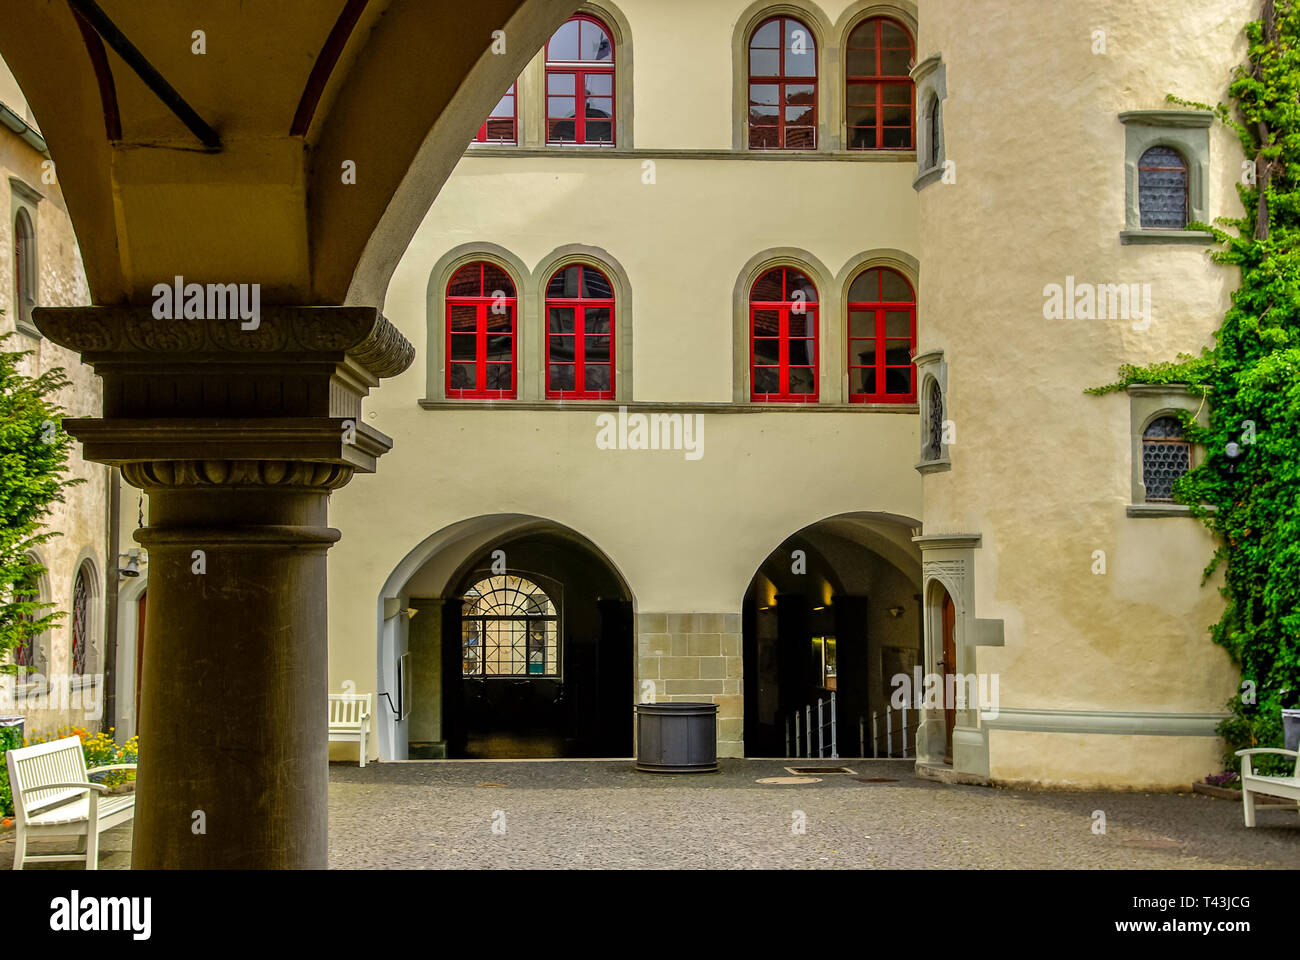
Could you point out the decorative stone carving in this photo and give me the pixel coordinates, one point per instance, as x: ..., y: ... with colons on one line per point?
x: 232, y: 473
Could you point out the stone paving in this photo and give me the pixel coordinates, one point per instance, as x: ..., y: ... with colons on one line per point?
x: 603, y: 815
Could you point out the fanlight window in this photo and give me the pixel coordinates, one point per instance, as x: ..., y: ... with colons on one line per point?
x: 509, y: 628
x: 1166, y: 456
x: 1162, y: 189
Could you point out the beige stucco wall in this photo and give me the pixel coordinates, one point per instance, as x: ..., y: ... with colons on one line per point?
x: 1050, y: 205
x: 82, y: 519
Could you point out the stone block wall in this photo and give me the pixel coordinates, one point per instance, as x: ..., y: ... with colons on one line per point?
x: 695, y: 657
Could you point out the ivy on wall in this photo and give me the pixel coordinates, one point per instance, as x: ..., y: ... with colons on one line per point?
x: 1247, y: 490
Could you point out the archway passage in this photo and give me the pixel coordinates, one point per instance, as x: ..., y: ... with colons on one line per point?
x: 834, y: 610
x: 526, y: 652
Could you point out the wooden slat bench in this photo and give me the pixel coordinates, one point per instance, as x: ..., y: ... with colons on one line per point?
x: 53, y: 797
x: 1253, y: 783
x: 350, y: 720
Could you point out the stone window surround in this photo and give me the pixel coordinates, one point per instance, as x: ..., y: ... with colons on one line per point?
x: 530, y: 298
x: 1148, y: 402
x: 1186, y: 131
x: 948, y: 560
x: 831, y: 39
x: 23, y: 198
x: 931, y: 368
x: 530, y: 93
x: 832, y: 322
x: 931, y: 79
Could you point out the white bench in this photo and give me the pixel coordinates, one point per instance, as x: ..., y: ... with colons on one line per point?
x: 53, y: 797
x: 1253, y: 783
x: 350, y: 720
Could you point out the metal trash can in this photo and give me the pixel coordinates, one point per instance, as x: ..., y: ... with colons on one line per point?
x: 1291, y: 729
x: 677, y: 737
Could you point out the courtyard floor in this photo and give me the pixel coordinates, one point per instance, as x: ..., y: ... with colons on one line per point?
x: 520, y: 815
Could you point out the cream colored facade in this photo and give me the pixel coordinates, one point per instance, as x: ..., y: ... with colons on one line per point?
x: 1104, y: 678
x: 55, y: 697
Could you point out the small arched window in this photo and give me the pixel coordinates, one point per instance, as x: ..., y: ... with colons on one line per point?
x: 1166, y: 456
x: 880, y: 94
x: 501, y: 126
x: 24, y: 269
x: 1162, y: 189
x: 580, y: 84
x: 934, y: 423
x: 579, y: 334
x: 782, y: 86
x: 882, y: 338
x: 28, y: 653
x: 509, y: 628
x: 783, y: 337
x: 82, y: 644
x: 481, y: 333
x: 936, y: 131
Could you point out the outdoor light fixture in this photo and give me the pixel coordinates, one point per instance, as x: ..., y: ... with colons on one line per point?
x: 410, y: 612
x: 895, y: 612
x: 132, y: 568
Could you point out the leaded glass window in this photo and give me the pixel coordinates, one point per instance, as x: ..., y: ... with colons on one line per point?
x: 934, y: 434
x: 934, y: 133
x: 1166, y: 456
x: 1162, y: 189
x: 509, y: 628
x: 80, y: 624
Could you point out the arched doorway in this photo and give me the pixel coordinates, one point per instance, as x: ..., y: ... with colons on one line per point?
x: 834, y: 610
x: 511, y: 637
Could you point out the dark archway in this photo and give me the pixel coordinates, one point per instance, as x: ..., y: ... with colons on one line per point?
x: 835, y: 609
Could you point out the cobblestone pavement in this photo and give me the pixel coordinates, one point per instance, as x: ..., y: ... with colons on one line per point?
x: 601, y: 814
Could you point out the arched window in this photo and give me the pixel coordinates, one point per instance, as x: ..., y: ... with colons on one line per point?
x: 1162, y: 189
x: 579, y: 335
x: 934, y: 424
x: 1166, y: 456
x: 935, y: 133
x: 882, y: 338
x: 580, y: 84
x: 783, y: 337
x: 481, y: 340
x: 501, y: 126
x: 782, y: 86
x: 880, y: 94
x: 28, y: 652
x: 508, y: 629
x: 82, y: 645
x: 24, y: 269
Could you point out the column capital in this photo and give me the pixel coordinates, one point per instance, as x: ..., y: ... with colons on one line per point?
x: 201, y: 402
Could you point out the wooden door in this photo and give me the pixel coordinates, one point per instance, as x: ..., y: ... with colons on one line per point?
x: 949, y: 666
x: 139, y: 654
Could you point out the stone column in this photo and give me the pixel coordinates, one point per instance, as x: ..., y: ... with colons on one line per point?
x: 238, y: 436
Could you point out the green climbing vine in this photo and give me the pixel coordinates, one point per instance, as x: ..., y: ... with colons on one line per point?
x: 1247, y: 489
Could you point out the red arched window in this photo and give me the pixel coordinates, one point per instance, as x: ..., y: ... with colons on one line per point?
x: 502, y: 123
x: 882, y: 338
x: 782, y: 86
x: 783, y: 337
x: 580, y: 83
x: 880, y: 94
x: 579, y: 335
x: 481, y: 351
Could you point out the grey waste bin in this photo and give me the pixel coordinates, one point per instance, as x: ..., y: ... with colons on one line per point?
x: 1291, y: 729
x: 677, y: 737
